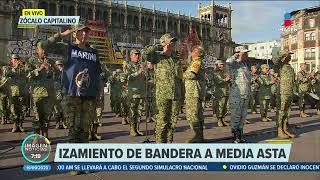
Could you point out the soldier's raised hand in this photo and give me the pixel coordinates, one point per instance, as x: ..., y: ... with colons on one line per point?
x: 67, y: 32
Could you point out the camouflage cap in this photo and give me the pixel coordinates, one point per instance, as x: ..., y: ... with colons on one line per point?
x: 80, y: 26
x: 15, y: 56
x: 284, y: 53
x: 134, y: 51
x: 167, y: 38
x: 58, y: 62
x: 264, y: 66
x: 219, y: 62
x: 42, y: 44
x: 199, y: 47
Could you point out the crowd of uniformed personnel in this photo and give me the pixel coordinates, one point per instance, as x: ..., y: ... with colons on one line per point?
x: 153, y: 84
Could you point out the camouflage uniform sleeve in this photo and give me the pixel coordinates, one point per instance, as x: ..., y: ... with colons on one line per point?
x: 57, y: 47
x: 32, y: 70
x: 194, y: 69
x: 301, y: 78
x: 105, y: 75
x: 218, y: 79
x: 131, y: 74
x: 150, y: 54
x: 264, y: 81
x: 229, y: 62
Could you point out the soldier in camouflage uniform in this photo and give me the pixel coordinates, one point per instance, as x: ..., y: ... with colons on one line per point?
x: 221, y: 81
x: 41, y: 78
x: 151, y: 92
x: 303, y: 88
x: 317, y: 88
x: 57, y: 107
x: 115, y: 93
x: 4, y: 95
x: 166, y: 72
x: 136, y: 90
x: 124, y: 105
x: 93, y: 134
x: 286, y: 86
x: 194, y: 84
x: 239, y: 93
x: 265, y: 84
x: 17, y: 89
x: 274, y: 77
x: 254, y: 89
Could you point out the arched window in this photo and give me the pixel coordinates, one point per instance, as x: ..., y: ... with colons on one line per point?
x: 313, y: 36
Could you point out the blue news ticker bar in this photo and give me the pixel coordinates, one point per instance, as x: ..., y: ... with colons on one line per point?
x: 37, y: 167
x: 188, y: 166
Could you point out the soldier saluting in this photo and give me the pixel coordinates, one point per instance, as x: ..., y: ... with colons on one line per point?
x: 239, y: 93
x: 166, y: 86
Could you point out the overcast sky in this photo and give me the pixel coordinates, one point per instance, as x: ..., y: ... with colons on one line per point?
x: 251, y: 20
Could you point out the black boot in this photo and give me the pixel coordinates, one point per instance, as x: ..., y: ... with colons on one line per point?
x: 20, y: 127
x: 236, y: 136
x: 241, y: 136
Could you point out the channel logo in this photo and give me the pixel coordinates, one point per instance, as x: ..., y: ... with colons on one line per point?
x: 287, y: 24
x: 287, y: 20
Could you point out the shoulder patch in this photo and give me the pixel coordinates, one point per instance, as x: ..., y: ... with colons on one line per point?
x: 195, y: 66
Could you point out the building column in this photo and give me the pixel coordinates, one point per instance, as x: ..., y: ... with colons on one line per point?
x: 125, y: 15
x: 110, y: 13
x: 58, y: 7
x: 167, y: 19
x: 76, y: 8
x: 178, y: 28
x: 154, y: 23
x: 94, y: 10
x: 140, y: 23
x: 213, y: 14
x: 190, y: 24
x: 317, y: 47
x: 178, y: 24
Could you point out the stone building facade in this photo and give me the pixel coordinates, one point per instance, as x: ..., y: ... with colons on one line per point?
x: 138, y: 25
x: 303, y: 38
